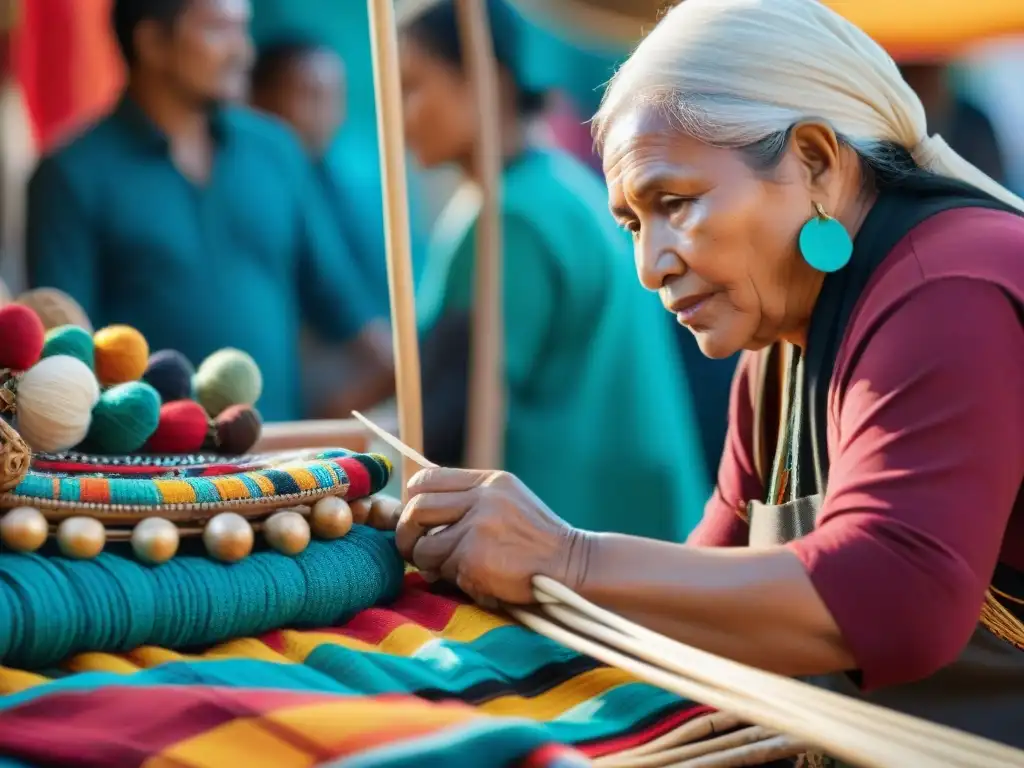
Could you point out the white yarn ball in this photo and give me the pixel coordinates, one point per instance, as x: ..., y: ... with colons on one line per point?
x: 55, y: 401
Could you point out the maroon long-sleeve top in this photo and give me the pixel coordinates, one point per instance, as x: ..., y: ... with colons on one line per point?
x: 926, y: 445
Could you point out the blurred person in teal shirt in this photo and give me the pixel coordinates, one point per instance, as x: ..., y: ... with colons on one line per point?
x: 302, y: 81
x: 198, y: 221
x: 600, y: 421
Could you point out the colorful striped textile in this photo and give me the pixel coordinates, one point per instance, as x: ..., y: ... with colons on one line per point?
x: 225, y: 485
x: 428, y: 681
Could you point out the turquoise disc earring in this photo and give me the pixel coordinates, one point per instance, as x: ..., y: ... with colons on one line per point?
x: 824, y: 242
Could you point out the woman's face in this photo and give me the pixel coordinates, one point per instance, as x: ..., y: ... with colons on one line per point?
x: 714, y: 238
x: 438, y: 106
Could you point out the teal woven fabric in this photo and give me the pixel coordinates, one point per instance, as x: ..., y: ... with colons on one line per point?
x: 52, y: 607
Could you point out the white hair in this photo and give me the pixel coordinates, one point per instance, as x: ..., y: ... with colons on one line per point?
x: 735, y: 73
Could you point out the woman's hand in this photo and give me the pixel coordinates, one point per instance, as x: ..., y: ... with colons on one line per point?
x: 500, y: 534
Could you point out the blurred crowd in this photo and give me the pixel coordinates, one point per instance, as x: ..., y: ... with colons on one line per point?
x: 230, y: 197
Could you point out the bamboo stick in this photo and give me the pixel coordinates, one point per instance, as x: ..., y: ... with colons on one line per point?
x: 388, y: 88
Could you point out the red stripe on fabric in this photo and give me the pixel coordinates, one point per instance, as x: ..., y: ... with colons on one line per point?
x: 222, y: 469
x: 370, y: 626
x: 423, y: 609
x: 359, y: 484
x: 550, y: 754
x: 76, y: 467
x: 76, y: 728
x: 637, y: 738
x: 432, y: 611
x: 415, y: 581
x: 275, y: 641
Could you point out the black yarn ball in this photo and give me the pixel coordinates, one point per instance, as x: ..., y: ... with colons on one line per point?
x: 170, y: 373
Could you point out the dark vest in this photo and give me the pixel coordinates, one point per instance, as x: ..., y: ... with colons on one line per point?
x: 983, y: 691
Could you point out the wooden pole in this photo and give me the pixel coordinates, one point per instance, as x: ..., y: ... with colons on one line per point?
x: 486, y: 408
x: 388, y: 88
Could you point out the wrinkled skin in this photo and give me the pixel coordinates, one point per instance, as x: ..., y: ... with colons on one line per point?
x: 706, y: 224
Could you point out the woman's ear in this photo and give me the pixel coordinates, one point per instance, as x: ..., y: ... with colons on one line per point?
x: 817, y: 149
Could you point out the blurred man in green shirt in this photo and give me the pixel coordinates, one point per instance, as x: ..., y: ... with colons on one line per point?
x: 197, y: 221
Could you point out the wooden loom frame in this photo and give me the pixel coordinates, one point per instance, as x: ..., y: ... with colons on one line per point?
x: 850, y: 729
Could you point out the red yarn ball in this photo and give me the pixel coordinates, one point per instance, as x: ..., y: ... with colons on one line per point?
x: 21, y: 337
x: 182, y: 429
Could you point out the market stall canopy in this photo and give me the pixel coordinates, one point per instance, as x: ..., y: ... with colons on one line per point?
x: 909, y: 29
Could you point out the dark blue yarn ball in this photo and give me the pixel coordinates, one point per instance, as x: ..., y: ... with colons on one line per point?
x: 170, y: 373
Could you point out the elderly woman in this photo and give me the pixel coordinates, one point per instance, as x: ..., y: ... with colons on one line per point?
x: 785, y: 199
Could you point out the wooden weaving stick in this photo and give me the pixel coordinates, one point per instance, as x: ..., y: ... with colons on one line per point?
x: 486, y: 408
x: 398, y: 240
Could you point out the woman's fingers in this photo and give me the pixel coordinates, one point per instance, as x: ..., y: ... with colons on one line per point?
x: 433, y: 553
x: 429, y: 510
x: 446, y: 480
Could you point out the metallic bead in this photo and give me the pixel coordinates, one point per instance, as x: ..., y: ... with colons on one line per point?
x: 81, y: 538
x: 384, y: 512
x: 331, y: 518
x: 228, y: 537
x: 287, y: 532
x: 361, y: 510
x: 155, y: 540
x: 24, y: 529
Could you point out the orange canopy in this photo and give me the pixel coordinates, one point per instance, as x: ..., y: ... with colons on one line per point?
x: 932, y: 28
x: 908, y: 29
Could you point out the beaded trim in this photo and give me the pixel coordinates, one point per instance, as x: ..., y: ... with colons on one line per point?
x: 288, y: 497
x: 149, y: 460
x: 285, y: 482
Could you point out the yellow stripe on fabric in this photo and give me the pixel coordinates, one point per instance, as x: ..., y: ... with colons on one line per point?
x: 299, y: 644
x: 175, y: 491
x: 560, y: 699
x: 241, y: 743
x: 150, y: 656
x: 262, y: 482
x: 303, y: 478
x: 101, y: 662
x: 15, y: 680
x: 467, y: 624
x: 230, y: 488
x: 247, y: 648
x: 329, y: 724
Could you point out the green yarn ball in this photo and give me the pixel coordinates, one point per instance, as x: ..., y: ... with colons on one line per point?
x: 70, y: 340
x: 227, y: 377
x: 124, y: 419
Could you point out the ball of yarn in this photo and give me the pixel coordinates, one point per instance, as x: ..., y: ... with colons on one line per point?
x: 21, y: 337
x: 125, y: 417
x: 55, y: 308
x: 228, y: 377
x: 121, y: 354
x: 182, y: 428
x: 55, y: 401
x: 72, y: 341
x: 170, y: 373
x: 238, y: 429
